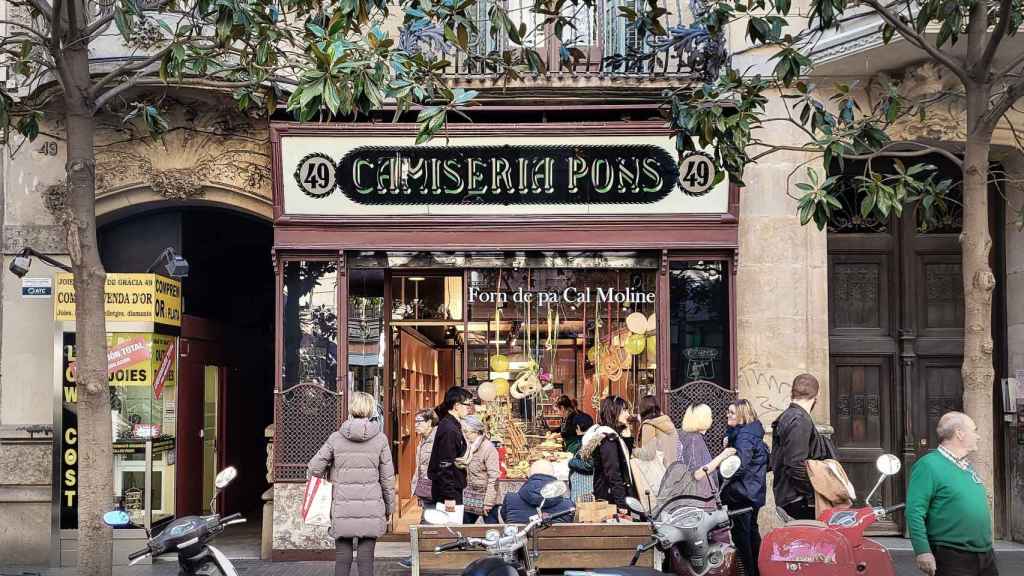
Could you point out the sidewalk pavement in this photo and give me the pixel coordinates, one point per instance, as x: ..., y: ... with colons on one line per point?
x: 1009, y: 558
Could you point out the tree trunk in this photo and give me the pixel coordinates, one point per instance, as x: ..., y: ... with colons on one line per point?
x: 94, y: 419
x: 978, y: 371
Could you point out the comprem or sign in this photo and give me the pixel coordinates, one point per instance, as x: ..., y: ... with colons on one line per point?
x: 128, y: 298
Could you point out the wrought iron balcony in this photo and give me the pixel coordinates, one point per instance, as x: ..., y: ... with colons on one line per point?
x: 600, y: 43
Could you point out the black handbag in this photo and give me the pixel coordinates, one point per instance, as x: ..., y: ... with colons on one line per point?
x: 822, y: 448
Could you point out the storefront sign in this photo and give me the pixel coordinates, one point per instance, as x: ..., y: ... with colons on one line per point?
x: 129, y: 298
x: 40, y: 288
x: 570, y: 295
x: 409, y: 175
x: 566, y: 174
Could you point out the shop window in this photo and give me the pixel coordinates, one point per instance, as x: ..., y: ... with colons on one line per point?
x: 535, y: 334
x: 311, y: 323
x: 699, y: 323
x: 367, y: 344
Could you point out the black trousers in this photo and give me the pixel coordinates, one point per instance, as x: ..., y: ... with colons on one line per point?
x: 800, y: 510
x: 746, y: 537
x: 953, y: 562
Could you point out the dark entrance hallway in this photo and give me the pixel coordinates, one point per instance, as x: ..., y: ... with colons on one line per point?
x: 225, y: 387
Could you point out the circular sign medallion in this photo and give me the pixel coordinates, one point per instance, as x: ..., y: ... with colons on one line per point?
x: 316, y: 175
x: 697, y: 173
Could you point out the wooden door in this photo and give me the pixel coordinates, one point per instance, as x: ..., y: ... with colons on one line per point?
x: 895, y: 340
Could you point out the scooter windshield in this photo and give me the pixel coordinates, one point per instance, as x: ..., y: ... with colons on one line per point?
x: 681, y: 489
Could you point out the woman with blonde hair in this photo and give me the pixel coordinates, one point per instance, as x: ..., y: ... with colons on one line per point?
x: 693, y: 449
x: 357, y: 460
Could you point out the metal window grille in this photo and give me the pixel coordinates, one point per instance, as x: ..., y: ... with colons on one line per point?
x: 304, y: 416
x: 703, y: 392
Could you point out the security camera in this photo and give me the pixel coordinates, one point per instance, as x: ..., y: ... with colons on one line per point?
x: 20, y: 265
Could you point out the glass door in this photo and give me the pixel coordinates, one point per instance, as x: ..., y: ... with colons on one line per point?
x: 211, y: 396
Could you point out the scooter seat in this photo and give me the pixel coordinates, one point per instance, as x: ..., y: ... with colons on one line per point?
x: 623, y: 571
x: 810, y: 523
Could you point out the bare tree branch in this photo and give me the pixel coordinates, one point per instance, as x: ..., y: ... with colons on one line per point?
x: 977, y: 27
x: 887, y: 150
x: 916, y: 39
x: 130, y: 66
x: 1010, y: 96
x: 55, y: 31
x: 44, y: 9
x: 142, y: 80
x: 1010, y: 68
x: 1005, y: 8
x: 28, y: 29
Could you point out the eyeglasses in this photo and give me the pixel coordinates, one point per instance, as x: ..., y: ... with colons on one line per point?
x: 470, y: 403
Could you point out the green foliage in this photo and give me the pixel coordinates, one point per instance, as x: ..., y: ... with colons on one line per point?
x: 729, y: 114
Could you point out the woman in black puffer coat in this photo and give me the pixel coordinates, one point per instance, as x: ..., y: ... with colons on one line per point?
x: 748, y: 486
x: 447, y: 481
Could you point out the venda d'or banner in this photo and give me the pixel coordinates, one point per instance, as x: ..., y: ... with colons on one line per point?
x: 129, y: 298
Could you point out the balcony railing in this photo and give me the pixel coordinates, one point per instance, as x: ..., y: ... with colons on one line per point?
x: 600, y: 43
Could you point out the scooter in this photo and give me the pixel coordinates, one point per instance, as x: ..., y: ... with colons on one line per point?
x: 507, y: 550
x: 189, y: 537
x: 683, y: 533
x: 834, y: 544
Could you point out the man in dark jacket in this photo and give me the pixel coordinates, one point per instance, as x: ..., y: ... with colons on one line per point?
x: 793, y: 435
x: 519, y: 506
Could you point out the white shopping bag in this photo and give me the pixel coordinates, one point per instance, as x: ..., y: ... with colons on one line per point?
x: 453, y: 517
x: 316, y: 502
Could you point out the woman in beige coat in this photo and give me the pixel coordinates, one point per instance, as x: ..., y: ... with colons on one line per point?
x: 657, y: 433
x: 357, y: 460
x: 482, y: 471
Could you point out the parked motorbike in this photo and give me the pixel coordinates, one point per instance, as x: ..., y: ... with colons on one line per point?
x: 508, y: 553
x: 188, y: 536
x: 682, y: 532
x: 834, y: 544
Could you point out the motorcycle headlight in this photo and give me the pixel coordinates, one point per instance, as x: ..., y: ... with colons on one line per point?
x: 510, y: 531
x: 492, y: 535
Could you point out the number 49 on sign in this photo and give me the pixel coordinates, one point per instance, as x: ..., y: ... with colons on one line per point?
x: 697, y: 173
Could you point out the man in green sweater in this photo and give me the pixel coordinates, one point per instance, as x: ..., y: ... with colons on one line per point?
x: 947, y: 506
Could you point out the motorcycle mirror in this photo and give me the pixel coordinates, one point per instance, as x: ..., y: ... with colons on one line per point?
x: 553, y: 490
x: 117, y: 519
x: 436, y: 517
x: 729, y: 466
x: 888, y: 464
x: 225, y: 477
x: 635, y: 505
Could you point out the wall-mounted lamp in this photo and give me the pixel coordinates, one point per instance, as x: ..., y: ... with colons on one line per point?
x: 23, y: 261
x: 174, y: 264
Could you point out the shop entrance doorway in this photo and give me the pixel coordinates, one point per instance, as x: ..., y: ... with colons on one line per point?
x: 224, y: 396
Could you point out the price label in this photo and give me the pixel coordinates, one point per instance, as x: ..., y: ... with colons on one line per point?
x: 697, y: 173
x: 316, y: 175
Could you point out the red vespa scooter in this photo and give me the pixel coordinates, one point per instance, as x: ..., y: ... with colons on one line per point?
x: 834, y: 544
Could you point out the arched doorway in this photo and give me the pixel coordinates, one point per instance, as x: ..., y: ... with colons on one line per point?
x: 224, y: 398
